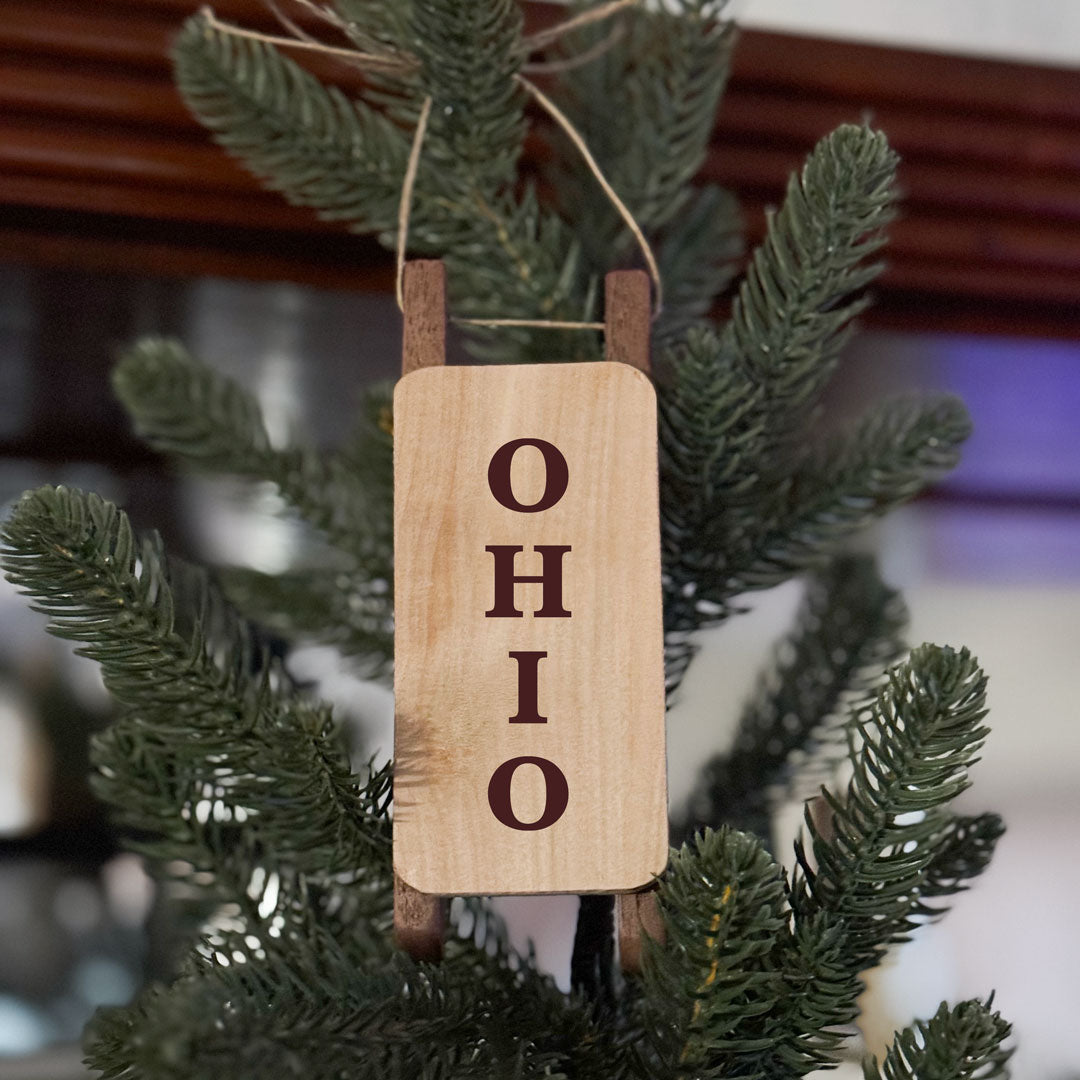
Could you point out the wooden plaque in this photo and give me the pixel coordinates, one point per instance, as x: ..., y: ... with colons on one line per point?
x: 529, y: 737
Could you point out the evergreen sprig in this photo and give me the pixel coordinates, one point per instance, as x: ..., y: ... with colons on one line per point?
x: 253, y: 1007
x: 374, y: 25
x: 959, y: 1043
x: 310, y: 142
x: 805, y: 282
x: 846, y: 632
x: 477, y: 119
x: 964, y: 848
x: 746, y: 502
x: 819, y: 994
x: 697, y: 253
x: 710, y: 987
x: 187, y: 410
x: 740, y: 988
x: 918, y: 740
x: 205, y: 744
x: 899, y: 448
x: 663, y: 78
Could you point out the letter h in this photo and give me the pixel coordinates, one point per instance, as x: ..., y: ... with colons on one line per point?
x: 505, y: 580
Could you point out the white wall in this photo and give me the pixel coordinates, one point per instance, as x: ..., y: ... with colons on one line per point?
x: 1038, y: 31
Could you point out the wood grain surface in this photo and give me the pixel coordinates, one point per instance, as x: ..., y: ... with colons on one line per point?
x: 600, y: 686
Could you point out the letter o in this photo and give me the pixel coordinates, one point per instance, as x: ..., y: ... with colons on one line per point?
x: 558, y: 793
x: 556, y: 478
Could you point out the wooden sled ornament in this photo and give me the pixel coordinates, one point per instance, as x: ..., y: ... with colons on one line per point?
x: 529, y: 677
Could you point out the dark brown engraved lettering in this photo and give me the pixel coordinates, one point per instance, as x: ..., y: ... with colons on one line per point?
x: 528, y: 711
x: 558, y: 793
x: 557, y: 475
x: 504, y: 606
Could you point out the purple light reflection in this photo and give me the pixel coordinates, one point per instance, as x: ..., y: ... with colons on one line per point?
x: 1024, y: 398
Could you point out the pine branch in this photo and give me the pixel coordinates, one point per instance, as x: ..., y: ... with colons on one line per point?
x: 184, y: 408
x: 663, y: 79
x: 736, y: 408
x: 820, y: 996
x: 711, y: 425
x: 802, y: 287
x: 515, y: 258
x: 469, y: 55
x: 204, y: 744
x: 707, y: 988
x: 848, y: 629
x: 958, y: 1043
x: 310, y: 142
x: 333, y: 607
x: 919, y: 739
x: 697, y: 253
x: 347, y: 160
x: 898, y: 449
x: 963, y: 850
x: 279, y: 1006
x: 181, y: 407
x: 375, y: 24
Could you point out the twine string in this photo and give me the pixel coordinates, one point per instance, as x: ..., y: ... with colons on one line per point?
x: 571, y: 63
x: 542, y: 324
x: 294, y: 28
x: 377, y: 61
x: 405, y: 202
x: 582, y: 148
x: 371, y: 61
x: 405, y: 206
x: 543, y: 38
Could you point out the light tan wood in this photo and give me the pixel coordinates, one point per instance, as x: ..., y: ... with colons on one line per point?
x: 601, y: 683
x: 424, y: 302
x: 637, y: 916
x: 627, y: 318
x: 419, y: 922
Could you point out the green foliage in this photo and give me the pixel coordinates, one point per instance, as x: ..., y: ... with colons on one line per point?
x: 374, y: 25
x: 187, y: 410
x: 918, y: 739
x: 508, y: 254
x: 310, y: 142
x: 758, y: 978
x: 893, y: 453
x: 804, y: 282
x: 282, y: 1004
x: 739, y: 989
x: 696, y: 253
x: 662, y: 78
x: 709, y: 986
x: 819, y: 996
x: 207, y: 742
x: 961, y: 1043
x: 477, y: 124
x: 237, y: 787
x: 848, y: 629
x: 963, y: 850
x: 746, y: 499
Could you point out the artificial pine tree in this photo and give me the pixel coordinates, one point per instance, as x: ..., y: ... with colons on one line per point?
x: 229, y: 779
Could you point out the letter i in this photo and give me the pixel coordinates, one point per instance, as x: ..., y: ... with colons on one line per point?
x: 528, y: 688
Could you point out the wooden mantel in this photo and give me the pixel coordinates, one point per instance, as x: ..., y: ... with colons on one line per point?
x: 100, y: 165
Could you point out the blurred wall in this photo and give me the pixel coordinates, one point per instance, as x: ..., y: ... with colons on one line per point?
x: 1039, y: 31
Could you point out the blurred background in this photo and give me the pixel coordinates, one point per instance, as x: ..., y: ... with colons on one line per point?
x: 119, y: 218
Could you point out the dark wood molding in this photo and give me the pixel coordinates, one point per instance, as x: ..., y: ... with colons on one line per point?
x: 101, y: 165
